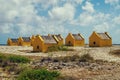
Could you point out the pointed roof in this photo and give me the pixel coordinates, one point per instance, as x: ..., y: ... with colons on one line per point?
x: 14, y: 40
x: 59, y: 37
x: 26, y: 39
x: 77, y: 36
x: 49, y: 39
x: 103, y: 35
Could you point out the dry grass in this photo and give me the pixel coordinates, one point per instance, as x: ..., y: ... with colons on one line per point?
x: 59, y: 48
x: 115, y: 52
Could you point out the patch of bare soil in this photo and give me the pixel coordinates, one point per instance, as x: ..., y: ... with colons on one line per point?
x: 104, y: 73
x: 81, y: 70
x: 104, y: 67
x: 115, y: 52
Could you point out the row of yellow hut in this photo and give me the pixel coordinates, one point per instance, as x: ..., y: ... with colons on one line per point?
x: 41, y: 42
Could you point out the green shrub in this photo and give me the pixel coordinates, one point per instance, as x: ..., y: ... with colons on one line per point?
x: 66, y: 58
x: 86, y: 58
x: 18, y: 59
x: 70, y: 58
x: 53, y: 48
x: 39, y: 74
x: 13, y: 58
x: 2, y: 57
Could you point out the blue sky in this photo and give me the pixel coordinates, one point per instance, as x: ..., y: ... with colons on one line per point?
x: 31, y: 17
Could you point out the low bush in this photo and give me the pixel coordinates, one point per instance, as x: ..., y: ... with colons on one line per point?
x: 115, y: 52
x: 2, y: 57
x: 39, y: 74
x: 53, y: 48
x: 13, y: 58
x: 67, y: 58
x: 18, y: 59
x: 86, y: 58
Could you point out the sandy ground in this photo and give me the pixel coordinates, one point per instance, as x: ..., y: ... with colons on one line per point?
x: 96, y: 53
x: 101, y: 53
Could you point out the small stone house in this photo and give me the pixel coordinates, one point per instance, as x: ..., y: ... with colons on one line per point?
x: 100, y: 40
x: 24, y: 41
x: 32, y: 40
x: 59, y: 39
x: 41, y: 43
x: 74, y: 40
x: 12, y: 42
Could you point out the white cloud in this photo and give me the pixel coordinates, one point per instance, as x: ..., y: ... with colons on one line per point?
x: 21, y: 18
x: 6, y: 28
x: 79, y: 1
x: 116, y: 20
x: 62, y: 13
x: 101, y: 27
x: 89, y: 7
x: 46, y: 3
x: 111, y: 1
x: 114, y: 3
x: 85, y: 19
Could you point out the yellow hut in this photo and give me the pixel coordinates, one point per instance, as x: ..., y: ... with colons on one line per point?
x: 74, y: 40
x: 12, y: 42
x: 24, y: 41
x: 32, y: 40
x: 59, y: 39
x: 41, y: 43
x: 100, y: 40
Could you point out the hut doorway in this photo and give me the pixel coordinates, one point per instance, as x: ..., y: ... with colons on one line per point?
x: 38, y: 47
x: 94, y: 42
x: 69, y: 43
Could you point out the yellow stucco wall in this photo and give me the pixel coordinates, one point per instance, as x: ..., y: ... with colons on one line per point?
x: 10, y: 43
x: 32, y: 40
x: 96, y: 41
x: 45, y: 47
x: 79, y: 43
x: 38, y: 44
x: 70, y: 41
x: 22, y: 43
x: 38, y: 41
x: 105, y: 43
x: 60, y: 43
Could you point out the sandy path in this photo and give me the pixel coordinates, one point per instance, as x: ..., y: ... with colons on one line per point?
x: 97, y: 53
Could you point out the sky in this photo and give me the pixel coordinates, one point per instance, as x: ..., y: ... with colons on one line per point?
x: 32, y: 17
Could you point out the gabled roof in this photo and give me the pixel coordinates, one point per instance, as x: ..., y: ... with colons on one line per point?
x: 49, y: 39
x: 26, y: 39
x: 103, y: 35
x: 59, y: 37
x: 14, y: 40
x: 77, y: 36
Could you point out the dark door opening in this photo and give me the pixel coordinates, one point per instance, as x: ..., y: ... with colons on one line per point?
x: 37, y: 47
x: 20, y: 44
x: 94, y: 43
x: 69, y: 43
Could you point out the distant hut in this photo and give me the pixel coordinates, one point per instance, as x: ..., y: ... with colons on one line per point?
x: 32, y: 40
x: 100, y: 40
x: 41, y: 43
x: 59, y: 39
x: 24, y: 41
x: 74, y: 40
x: 12, y: 42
